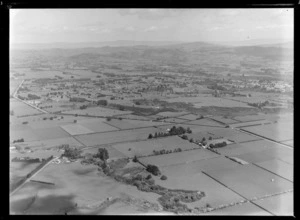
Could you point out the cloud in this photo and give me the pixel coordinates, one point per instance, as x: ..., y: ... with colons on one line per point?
x: 130, y: 28
x: 152, y: 14
x: 152, y: 28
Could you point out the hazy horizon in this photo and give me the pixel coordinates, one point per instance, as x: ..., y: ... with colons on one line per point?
x: 50, y: 26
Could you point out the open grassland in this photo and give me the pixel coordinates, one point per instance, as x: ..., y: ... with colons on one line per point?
x: 172, y: 114
x: 289, y: 142
x: 281, y: 205
x: 112, y: 152
x: 129, y: 124
x: 181, y: 177
x: 242, y: 137
x: 134, y: 117
x: 97, y: 111
x: 279, y: 167
x: 38, y: 134
x: 76, y: 129
x: 178, y: 158
x: 279, y: 152
x: 189, y: 117
x: 257, y: 151
x: 205, y: 122
x: 116, y: 136
x: 18, y: 170
x: 200, y: 135
x: 96, y: 125
x: 203, y: 101
x: 145, y: 148
x: 250, y: 123
x: 251, y: 181
x: 74, y: 184
x: 21, y: 109
x: 224, y: 120
x: 250, y: 118
x: 51, y: 143
x: 241, y: 209
x: 280, y: 131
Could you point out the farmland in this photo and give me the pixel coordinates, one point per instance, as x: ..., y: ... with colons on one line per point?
x: 189, y: 128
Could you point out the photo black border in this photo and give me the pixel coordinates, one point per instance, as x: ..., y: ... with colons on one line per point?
x: 4, y: 36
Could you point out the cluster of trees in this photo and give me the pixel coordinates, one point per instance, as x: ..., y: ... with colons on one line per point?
x: 22, y: 97
x: 33, y: 97
x: 166, y: 151
x: 18, y: 140
x: 163, y: 177
x: 83, y: 107
x: 71, y: 153
x: 102, y: 102
x: 173, y: 131
x: 153, y: 169
x: 77, y: 99
x: 217, y: 145
x: 216, y: 87
x: 259, y: 104
x: 102, y: 154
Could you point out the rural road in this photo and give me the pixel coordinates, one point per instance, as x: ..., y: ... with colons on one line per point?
x: 28, y: 179
x: 15, y: 96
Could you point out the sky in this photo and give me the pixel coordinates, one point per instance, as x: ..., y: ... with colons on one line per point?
x: 187, y: 25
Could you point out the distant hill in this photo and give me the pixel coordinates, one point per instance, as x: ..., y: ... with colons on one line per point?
x: 168, y: 52
x: 67, y: 45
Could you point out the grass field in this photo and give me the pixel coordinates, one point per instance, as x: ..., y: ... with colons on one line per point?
x: 38, y: 134
x: 97, y: 125
x: 242, y: 137
x: 290, y: 143
x: 74, y: 183
x: 21, y: 109
x: 98, y: 111
x: 278, y: 152
x: 252, y: 147
x: 178, y: 158
x: 44, y: 144
x: 189, y: 117
x: 251, y: 181
x: 243, y: 209
x: 112, y: 152
x: 181, y: 177
x: 144, y: 148
x: 174, y: 120
x: 172, y: 114
x: 280, y: 131
x: 76, y: 129
x: 280, y: 205
x: 279, y: 167
x: 209, y: 101
x: 224, y: 120
x: 250, y: 118
x: 205, y: 122
x: 116, y: 136
x: 129, y: 124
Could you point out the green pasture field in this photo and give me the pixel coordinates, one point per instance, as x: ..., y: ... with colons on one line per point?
x: 251, y: 181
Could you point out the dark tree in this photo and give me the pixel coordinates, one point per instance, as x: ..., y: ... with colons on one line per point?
x: 210, y: 138
x: 102, y: 154
x: 102, y: 102
x: 72, y: 153
x: 150, y: 136
x: 163, y: 177
x: 184, y: 137
x: 153, y: 169
x: 135, y: 159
